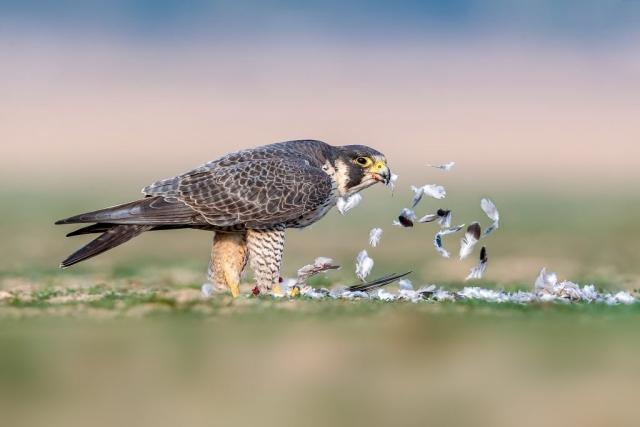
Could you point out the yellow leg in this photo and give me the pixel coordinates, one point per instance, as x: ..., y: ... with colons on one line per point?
x: 276, y: 289
x: 228, y: 259
x: 233, y: 284
x: 235, y: 290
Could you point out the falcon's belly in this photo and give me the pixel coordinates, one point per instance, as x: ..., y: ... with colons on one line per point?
x: 315, y: 215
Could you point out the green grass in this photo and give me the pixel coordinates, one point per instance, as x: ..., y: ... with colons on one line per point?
x: 124, y: 301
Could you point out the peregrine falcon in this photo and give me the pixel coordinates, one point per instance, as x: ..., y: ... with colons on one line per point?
x: 247, y: 198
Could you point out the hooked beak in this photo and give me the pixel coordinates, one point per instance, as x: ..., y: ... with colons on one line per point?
x: 381, y: 172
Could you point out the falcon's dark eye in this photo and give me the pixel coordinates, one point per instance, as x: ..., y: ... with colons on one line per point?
x: 363, y: 161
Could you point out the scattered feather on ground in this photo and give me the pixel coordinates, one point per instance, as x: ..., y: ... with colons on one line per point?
x: 207, y: 290
x: 378, y: 283
x: 546, y: 289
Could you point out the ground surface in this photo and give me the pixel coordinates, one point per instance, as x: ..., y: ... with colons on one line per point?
x: 127, y: 338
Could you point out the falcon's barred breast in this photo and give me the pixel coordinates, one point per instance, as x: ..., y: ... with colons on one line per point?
x: 247, y: 198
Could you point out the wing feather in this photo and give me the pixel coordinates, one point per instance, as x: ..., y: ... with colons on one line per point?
x: 258, y: 193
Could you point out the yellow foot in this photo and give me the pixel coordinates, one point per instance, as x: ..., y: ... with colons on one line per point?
x: 295, y: 291
x: 276, y: 290
x: 235, y: 290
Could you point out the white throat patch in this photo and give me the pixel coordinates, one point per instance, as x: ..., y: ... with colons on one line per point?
x: 340, y: 176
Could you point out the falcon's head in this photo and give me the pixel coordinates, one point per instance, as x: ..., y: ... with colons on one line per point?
x: 358, y: 167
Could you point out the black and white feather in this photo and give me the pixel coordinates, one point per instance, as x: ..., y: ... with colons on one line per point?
x: 437, y: 241
x: 470, y: 239
x: 443, y: 216
x: 478, y: 271
x: 405, y: 219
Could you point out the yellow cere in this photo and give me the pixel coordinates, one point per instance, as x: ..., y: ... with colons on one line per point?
x: 379, y: 165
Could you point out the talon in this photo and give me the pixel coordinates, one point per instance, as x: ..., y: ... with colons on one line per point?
x: 235, y: 290
x: 295, y: 291
x: 276, y: 289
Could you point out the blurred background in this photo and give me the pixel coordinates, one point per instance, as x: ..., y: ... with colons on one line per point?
x: 535, y: 101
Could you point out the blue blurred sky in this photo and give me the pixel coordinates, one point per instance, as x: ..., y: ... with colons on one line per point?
x: 574, y: 21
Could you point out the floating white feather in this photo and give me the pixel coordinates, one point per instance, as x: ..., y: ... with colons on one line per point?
x: 435, y: 191
x: 492, y: 212
x: 419, y: 192
x: 490, y: 209
x: 392, y: 182
x: 446, y: 166
x: 374, y: 236
x: 351, y: 202
x: 364, y: 264
x: 437, y: 241
x: 362, y: 255
x: 431, y: 190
